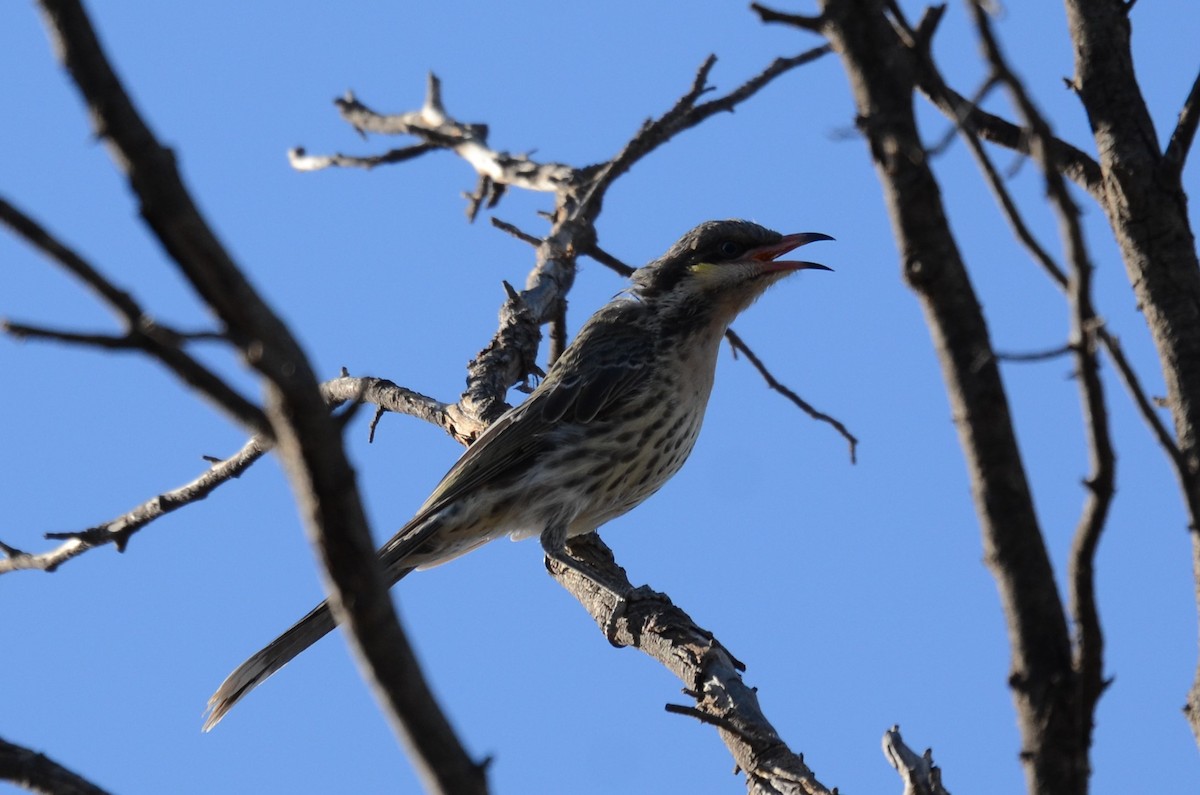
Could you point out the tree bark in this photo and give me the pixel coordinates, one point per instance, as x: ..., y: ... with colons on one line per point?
x: 1147, y: 209
x: 883, y: 75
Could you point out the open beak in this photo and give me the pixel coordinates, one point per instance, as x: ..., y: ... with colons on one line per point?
x: 767, y: 254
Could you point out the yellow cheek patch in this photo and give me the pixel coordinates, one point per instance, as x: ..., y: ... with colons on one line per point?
x: 704, y: 268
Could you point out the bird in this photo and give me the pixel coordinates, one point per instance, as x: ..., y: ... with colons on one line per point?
x: 614, y: 418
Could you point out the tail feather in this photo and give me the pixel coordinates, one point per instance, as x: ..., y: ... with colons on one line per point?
x: 278, y: 653
x: 405, y: 551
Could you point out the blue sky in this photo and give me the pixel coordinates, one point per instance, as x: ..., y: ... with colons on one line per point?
x: 855, y: 594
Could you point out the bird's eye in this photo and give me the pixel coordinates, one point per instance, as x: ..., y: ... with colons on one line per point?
x: 731, y: 249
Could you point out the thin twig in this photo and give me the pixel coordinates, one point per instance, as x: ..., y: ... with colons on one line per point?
x: 516, y: 232
x: 1035, y: 356
x: 803, y: 21
x: 740, y: 346
x: 300, y: 160
x: 719, y: 721
x: 1073, y: 162
x: 609, y: 261
x: 685, y: 114
x: 109, y: 342
x: 120, y: 529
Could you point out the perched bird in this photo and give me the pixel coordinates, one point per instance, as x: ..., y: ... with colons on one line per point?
x: 613, y: 420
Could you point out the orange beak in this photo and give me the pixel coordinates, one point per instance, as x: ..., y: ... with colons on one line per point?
x: 767, y: 254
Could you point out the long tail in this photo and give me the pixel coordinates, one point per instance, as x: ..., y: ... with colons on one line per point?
x: 395, y: 557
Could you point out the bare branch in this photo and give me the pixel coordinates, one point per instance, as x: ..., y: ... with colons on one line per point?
x: 39, y: 773
x: 741, y: 347
x: 111, y: 342
x: 609, y: 261
x: 141, y: 331
x: 921, y: 776
x: 438, y: 130
x: 302, y: 161
x: 1146, y: 408
x: 648, y: 621
x: 1181, y: 139
x: 1073, y: 162
x: 391, y: 397
x: 120, y: 529
x: 884, y: 72
x: 686, y: 114
x: 378, y: 391
x: 805, y: 22
x: 1055, y: 271
x: 504, y: 226
x: 308, y: 438
x: 1089, y: 641
x: 1035, y: 356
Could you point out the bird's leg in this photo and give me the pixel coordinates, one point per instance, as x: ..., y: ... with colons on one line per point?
x: 554, y: 544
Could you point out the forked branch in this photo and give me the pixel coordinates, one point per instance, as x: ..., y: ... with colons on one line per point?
x: 1089, y: 638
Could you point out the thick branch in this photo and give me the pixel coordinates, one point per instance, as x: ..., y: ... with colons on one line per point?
x: 308, y: 438
x: 1059, y: 276
x: 39, y: 773
x: 1148, y: 216
x: 1089, y: 644
x: 1073, y: 162
x: 1077, y: 165
x: 647, y: 620
x: 883, y: 73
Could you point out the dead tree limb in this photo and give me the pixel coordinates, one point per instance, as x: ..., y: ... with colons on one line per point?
x: 307, y: 437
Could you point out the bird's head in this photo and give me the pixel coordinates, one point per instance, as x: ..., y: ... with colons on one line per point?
x: 719, y: 268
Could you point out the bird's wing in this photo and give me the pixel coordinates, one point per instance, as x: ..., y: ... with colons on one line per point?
x: 604, y: 366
